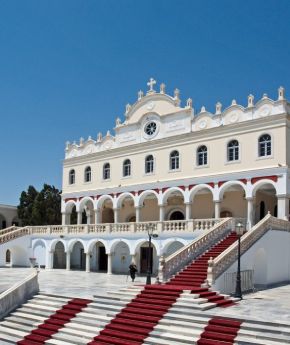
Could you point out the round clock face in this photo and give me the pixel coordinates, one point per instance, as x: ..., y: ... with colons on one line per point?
x: 150, y: 128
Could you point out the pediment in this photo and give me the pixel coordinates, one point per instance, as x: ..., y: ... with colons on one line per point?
x: 159, y: 104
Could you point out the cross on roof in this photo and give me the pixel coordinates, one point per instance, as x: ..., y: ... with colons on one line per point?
x: 151, y: 83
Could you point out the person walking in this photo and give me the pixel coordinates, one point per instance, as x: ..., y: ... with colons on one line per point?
x: 132, y: 270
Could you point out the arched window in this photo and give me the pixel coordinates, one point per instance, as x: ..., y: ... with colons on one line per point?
x: 174, y: 160
x: 149, y: 164
x: 233, y: 150
x: 127, y: 168
x: 88, y: 174
x: 265, y: 145
x: 72, y: 177
x: 202, y: 155
x: 106, y: 171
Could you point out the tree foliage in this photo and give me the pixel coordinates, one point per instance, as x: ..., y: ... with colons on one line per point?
x: 40, y: 208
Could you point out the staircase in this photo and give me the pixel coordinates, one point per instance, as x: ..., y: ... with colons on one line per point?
x: 180, y: 321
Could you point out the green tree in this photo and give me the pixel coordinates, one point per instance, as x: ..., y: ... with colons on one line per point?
x: 40, y: 208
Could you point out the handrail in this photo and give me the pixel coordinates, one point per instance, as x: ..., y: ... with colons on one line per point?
x: 18, y: 294
x: 9, y: 229
x: 18, y: 232
x: 173, y: 263
x: 222, y: 262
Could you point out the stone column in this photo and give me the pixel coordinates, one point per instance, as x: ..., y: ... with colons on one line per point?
x: 188, y: 210
x: 109, y: 271
x: 283, y: 207
x: 79, y: 220
x: 88, y: 262
x: 68, y: 261
x: 97, y: 216
x: 217, y: 209
x: 138, y: 213
x: 63, y: 218
x: 88, y: 214
x: 133, y: 258
x: 161, y: 212
x: 249, y: 213
x: 49, y: 260
x: 116, y: 215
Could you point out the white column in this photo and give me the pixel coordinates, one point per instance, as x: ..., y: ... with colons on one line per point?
x: 49, y: 260
x: 116, y: 215
x: 97, y: 216
x: 283, y: 207
x: 68, y: 261
x: 63, y: 218
x: 138, y: 213
x: 88, y: 262
x: 188, y: 211
x: 133, y: 258
x: 217, y: 209
x: 249, y: 213
x: 88, y: 214
x: 79, y: 220
x: 161, y: 212
x: 109, y: 271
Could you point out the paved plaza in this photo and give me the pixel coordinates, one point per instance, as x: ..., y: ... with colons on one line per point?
x: 272, y: 305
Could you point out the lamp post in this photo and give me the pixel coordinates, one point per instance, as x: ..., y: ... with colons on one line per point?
x: 239, y: 232
x: 150, y: 229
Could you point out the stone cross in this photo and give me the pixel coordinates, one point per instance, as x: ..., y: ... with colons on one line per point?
x: 151, y: 84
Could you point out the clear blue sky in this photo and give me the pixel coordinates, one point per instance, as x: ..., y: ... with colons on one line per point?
x: 67, y: 68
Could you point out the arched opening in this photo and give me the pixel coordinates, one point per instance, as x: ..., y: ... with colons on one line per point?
x: 107, y: 211
x: 71, y: 213
x: 87, y: 209
x: 176, y: 215
x: 3, y: 223
x: 121, y: 258
x: 78, y: 257
x: 175, y: 205
x: 126, y: 208
x: 202, y: 203
x: 265, y: 200
x: 39, y: 252
x: 99, y: 258
x: 8, y: 257
x: 143, y: 258
x: 149, y: 207
x: 233, y: 201
x: 172, y: 248
x: 59, y: 256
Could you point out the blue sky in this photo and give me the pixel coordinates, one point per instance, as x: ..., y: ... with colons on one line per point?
x: 68, y: 68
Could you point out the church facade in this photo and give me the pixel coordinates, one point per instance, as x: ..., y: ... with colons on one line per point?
x: 166, y: 162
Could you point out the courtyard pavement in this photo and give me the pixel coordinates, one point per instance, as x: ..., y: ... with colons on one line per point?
x: 272, y: 305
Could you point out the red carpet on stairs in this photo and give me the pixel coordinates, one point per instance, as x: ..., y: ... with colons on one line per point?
x: 220, y: 331
x: 195, y: 274
x: 56, y: 321
x: 134, y: 323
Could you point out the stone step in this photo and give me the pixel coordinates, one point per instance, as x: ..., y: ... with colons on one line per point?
x: 71, y: 339
x: 15, y: 325
x: 8, y: 339
x: 12, y: 332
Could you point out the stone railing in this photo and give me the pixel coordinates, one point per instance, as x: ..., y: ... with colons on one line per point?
x: 14, y: 233
x: 110, y: 228
x: 18, y: 294
x: 6, y: 230
x: 221, y: 263
x: 172, y: 264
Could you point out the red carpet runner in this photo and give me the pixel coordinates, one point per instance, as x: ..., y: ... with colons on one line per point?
x: 134, y: 323
x: 195, y: 274
x: 56, y: 321
x: 220, y: 332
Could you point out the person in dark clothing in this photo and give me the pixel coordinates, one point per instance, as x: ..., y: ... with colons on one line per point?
x: 132, y: 271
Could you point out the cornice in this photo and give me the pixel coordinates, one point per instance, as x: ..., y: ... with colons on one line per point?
x: 183, y: 139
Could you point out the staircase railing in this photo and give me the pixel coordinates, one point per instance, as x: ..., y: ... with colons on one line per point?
x: 9, y: 229
x: 173, y: 263
x: 18, y: 232
x: 222, y: 262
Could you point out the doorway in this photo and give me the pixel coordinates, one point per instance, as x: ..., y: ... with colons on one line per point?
x: 176, y: 215
x: 144, y: 259
x: 103, y: 259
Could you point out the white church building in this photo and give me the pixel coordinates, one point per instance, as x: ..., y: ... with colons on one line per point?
x: 180, y: 170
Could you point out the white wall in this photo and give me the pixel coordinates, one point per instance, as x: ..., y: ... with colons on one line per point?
x: 269, y: 257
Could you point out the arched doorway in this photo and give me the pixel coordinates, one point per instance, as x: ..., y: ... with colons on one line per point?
x: 99, y: 258
x: 265, y: 200
x: 226, y: 214
x: 107, y: 211
x: 126, y: 208
x: 8, y: 257
x: 39, y: 252
x: 59, y: 256
x: 144, y: 258
x: 176, y: 215
x: 78, y: 257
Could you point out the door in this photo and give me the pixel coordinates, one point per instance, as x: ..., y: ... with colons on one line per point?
x: 103, y: 259
x: 82, y: 259
x: 144, y: 259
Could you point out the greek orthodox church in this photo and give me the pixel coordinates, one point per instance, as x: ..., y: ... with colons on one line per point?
x: 186, y: 176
